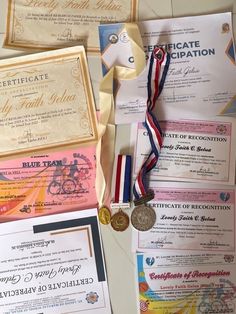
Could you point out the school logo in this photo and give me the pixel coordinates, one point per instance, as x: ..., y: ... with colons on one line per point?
x: 225, y: 28
x: 92, y: 297
x: 229, y: 258
x: 221, y: 129
x: 150, y: 261
x: 224, y: 196
x: 113, y: 38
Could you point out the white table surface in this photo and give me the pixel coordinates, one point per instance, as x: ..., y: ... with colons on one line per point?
x: 120, y: 261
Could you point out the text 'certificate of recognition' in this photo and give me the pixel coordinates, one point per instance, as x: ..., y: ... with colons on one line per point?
x: 190, y: 217
x: 51, y: 24
x: 201, y: 76
x: 53, y: 264
x: 186, y: 283
x: 46, y: 101
x: 191, y: 151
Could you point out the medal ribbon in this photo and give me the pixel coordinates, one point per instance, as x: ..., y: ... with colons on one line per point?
x: 123, y: 179
x: 154, y: 89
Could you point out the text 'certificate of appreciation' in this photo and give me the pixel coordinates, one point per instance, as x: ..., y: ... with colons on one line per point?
x: 53, y: 264
x: 46, y: 101
x: 201, y: 76
x: 186, y: 283
x: 192, y: 150
x: 51, y: 24
x: 190, y: 217
x: 48, y: 184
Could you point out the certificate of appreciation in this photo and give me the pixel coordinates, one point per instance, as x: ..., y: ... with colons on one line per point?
x: 48, y: 183
x: 191, y: 151
x: 46, y: 102
x: 50, y: 24
x: 186, y: 283
x: 190, y: 217
x: 201, y: 77
x: 53, y: 264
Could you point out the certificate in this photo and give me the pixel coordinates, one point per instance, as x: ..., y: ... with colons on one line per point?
x: 53, y: 264
x: 191, y: 151
x: 200, y: 80
x: 48, y: 183
x: 50, y: 24
x: 46, y: 102
x: 190, y: 217
x: 186, y: 283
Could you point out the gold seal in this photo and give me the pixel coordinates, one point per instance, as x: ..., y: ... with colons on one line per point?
x: 104, y: 215
x: 120, y: 221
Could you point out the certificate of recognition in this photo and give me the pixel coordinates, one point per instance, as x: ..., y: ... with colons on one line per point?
x: 201, y: 77
x: 50, y: 24
x: 190, y: 217
x: 46, y: 102
x: 191, y: 151
x: 186, y: 283
x: 53, y: 264
x: 48, y: 183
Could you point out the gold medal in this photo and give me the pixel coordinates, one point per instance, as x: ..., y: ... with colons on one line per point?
x: 120, y: 221
x: 104, y: 215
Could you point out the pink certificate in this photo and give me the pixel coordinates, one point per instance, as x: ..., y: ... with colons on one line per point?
x: 47, y: 184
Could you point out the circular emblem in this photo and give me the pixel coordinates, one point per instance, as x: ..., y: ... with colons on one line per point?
x: 113, y: 38
x: 120, y: 221
x: 143, y: 217
x: 143, y: 286
x: 124, y: 38
x: 225, y: 28
x: 104, y: 215
x: 92, y: 297
x: 221, y: 129
x: 224, y: 196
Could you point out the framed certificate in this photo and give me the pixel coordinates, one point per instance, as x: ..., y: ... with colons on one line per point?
x: 46, y: 102
x: 44, y: 25
x: 53, y: 264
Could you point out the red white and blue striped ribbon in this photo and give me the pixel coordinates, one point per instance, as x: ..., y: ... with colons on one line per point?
x: 155, y: 86
x: 123, y: 180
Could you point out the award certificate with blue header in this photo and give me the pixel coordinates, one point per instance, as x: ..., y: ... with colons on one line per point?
x: 201, y: 77
x: 186, y: 283
x: 53, y: 264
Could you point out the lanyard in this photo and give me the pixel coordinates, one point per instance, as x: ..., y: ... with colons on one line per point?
x: 154, y: 89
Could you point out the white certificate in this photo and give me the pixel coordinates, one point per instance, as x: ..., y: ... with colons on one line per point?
x: 201, y: 77
x: 190, y: 217
x: 192, y: 150
x: 53, y: 264
x: 186, y: 283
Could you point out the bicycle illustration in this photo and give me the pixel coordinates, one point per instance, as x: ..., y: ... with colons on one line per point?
x: 218, y: 300
x: 69, y: 179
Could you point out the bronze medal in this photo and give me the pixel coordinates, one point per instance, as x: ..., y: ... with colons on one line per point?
x: 104, y: 215
x: 143, y: 217
x: 120, y: 221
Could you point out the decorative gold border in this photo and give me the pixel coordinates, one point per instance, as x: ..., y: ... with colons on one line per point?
x: 9, y: 42
x: 89, y: 97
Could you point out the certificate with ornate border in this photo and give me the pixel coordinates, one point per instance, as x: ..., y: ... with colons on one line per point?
x: 50, y: 24
x: 192, y: 150
x: 190, y: 217
x: 53, y: 264
x: 46, y: 102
